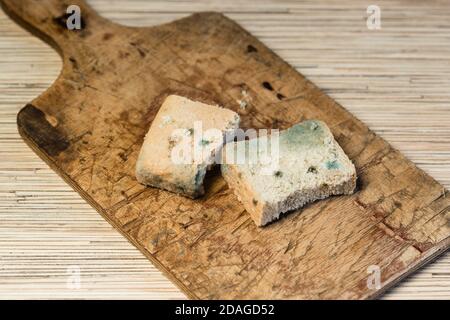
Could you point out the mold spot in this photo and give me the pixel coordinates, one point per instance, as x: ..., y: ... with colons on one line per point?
x: 255, y: 202
x: 267, y: 85
x: 199, y: 177
x: 278, y: 174
x: 332, y: 165
x: 251, y: 49
x: 313, y: 125
x: 312, y: 169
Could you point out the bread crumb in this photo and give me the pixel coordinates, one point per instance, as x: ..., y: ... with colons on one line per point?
x: 242, y: 104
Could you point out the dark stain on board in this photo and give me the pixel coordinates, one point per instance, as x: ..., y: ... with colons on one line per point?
x: 267, y: 85
x: 74, y: 62
x: 139, y: 49
x: 33, y: 123
x: 61, y: 21
x: 280, y: 96
x: 251, y: 49
x: 107, y: 36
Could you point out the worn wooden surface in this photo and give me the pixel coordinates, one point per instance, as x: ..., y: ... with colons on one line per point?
x: 386, y: 206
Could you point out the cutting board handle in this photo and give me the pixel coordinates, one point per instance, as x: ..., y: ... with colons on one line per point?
x: 48, y: 20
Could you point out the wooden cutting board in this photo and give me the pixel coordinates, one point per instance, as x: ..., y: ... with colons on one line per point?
x: 89, y: 125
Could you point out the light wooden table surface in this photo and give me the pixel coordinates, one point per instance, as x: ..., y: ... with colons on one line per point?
x: 396, y: 79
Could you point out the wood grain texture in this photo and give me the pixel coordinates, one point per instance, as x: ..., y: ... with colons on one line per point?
x: 380, y: 208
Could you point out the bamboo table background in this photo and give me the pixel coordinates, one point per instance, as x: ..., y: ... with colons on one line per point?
x: 396, y: 80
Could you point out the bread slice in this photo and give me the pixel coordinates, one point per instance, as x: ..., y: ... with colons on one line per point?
x: 310, y: 166
x: 182, y: 143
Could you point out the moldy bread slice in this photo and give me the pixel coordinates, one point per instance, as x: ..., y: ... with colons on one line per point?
x: 182, y: 143
x: 310, y: 166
